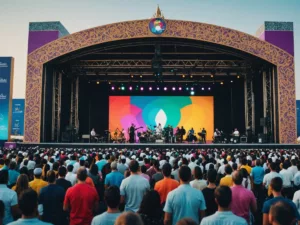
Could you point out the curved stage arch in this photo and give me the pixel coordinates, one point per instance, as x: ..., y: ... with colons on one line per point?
x: 175, y: 29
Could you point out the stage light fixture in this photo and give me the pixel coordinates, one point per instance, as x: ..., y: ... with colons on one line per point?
x: 222, y: 83
x: 192, y: 93
x: 173, y: 88
x: 142, y: 88
x: 212, y: 76
x: 130, y: 88
x: 202, y: 89
x: 191, y: 76
x: 180, y: 88
x: 131, y: 76
x: 98, y: 82
x: 113, y: 88
x: 122, y: 88
x: 192, y: 88
x: 109, y: 82
x: 238, y: 77
x: 187, y: 88
x: 157, y: 88
x: 165, y: 88
x: 209, y: 88
x: 141, y: 76
x: 150, y: 88
x: 231, y: 81
x: 183, y: 76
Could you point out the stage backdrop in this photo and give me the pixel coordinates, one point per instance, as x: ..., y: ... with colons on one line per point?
x: 17, y: 122
x: 6, y: 81
x: 186, y: 111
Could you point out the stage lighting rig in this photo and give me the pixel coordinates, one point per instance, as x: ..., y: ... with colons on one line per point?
x: 157, y: 63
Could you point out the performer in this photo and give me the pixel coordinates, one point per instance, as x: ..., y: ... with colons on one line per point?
x: 132, y: 133
x: 158, y: 130
x: 191, y: 135
x: 217, y: 136
x: 203, y: 135
x: 236, y: 133
x: 93, y: 135
x: 182, y: 133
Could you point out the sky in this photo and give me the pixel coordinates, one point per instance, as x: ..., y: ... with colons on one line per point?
x: 77, y: 15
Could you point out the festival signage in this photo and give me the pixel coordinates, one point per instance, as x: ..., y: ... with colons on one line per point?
x: 6, y: 80
x: 17, y: 119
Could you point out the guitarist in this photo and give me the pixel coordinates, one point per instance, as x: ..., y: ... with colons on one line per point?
x: 131, y: 133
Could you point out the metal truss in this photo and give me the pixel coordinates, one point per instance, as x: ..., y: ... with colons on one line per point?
x: 169, y: 63
x: 249, y: 105
x: 56, y: 106
x: 267, y: 92
x: 74, y: 102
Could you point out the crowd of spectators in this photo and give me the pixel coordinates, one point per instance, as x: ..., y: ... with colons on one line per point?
x: 149, y: 186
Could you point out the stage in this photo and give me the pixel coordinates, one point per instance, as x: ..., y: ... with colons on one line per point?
x: 160, y: 146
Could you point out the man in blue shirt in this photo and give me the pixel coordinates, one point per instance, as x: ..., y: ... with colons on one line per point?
x: 114, y: 178
x: 276, y: 187
x: 257, y: 174
x: 184, y: 201
x: 28, y: 203
x: 12, y: 174
x: 224, y: 215
x: 281, y: 213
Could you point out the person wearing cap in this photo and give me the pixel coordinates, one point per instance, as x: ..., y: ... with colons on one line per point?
x: 37, y: 184
x: 114, y: 178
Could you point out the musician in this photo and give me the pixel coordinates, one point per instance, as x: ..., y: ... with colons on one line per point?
x: 158, y: 130
x: 93, y: 135
x: 182, y: 133
x: 236, y: 133
x: 169, y: 133
x: 191, y: 135
x: 132, y: 133
x: 203, y: 135
x: 217, y: 136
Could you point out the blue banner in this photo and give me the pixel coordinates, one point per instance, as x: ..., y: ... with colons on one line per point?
x: 17, y: 119
x: 6, y: 79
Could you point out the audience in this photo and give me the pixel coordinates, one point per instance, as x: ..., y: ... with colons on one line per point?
x: 112, y: 199
x: 114, y: 178
x: 61, y: 181
x: 282, y: 213
x: 70, y: 175
x: 223, y: 198
x: 129, y: 218
x: 208, y: 193
x: 198, y: 181
x: 184, y: 201
x: 37, y: 184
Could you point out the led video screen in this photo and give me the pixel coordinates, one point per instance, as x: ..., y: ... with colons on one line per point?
x: 148, y: 111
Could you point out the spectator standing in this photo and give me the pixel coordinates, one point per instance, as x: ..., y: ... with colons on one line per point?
x: 70, y: 176
x: 81, y: 200
x: 244, y: 199
x: 144, y: 172
x: 122, y: 167
x: 246, y: 166
x: 268, y: 177
x: 184, y: 201
x: 37, y: 184
x: 227, y: 180
x: 61, y: 181
x: 276, y: 188
x: 21, y: 185
x: 223, y: 198
x: 9, y: 198
x: 287, y: 178
x: 293, y: 168
x: 164, y: 186
x: 129, y: 218
x: 208, y: 193
x: 257, y: 174
x: 281, y: 213
x: 198, y: 181
x: 112, y: 199
x: 29, y: 207
x: 13, y: 174
x: 94, y: 175
x: 51, y: 200
x: 114, y: 178
x: 150, y: 209
x: 133, y: 188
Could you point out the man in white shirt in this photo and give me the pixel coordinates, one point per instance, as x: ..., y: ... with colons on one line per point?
x: 293, y: 168
x: 287, y: 178
x: 236, y: 133
x: 31, y: 163
x: 297, y: 178
x: 70, y: 176
x: 192, y: 164
x: 268, y: 177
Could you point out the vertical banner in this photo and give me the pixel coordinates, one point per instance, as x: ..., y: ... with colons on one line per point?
x: 17, y: 118
x: 6, y: 82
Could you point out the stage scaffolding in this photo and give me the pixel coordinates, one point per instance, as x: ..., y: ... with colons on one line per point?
x: 56, y: 106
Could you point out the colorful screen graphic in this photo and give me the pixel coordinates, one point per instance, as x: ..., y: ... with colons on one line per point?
x: 143, y: 111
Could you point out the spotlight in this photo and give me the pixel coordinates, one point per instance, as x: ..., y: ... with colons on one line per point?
x: 191, y: 76
x: 238, y: 77
x: 113, y: 88
x: 173, y: 88
x: 202, y: 89
x: 131, y: 76
x: 119, y: 88
x: 157, y: 88
x: 209, y: 88
x: 150, y: 88
x: 192, y: 92
x: 231, y: 81
x: 187, y: 88
x: 180, y: 88
x: 212, y: 76
x: 141, y: 76
x: 222, y: 83
x: 183, y: 76
x: 192, y: 88
x: 98, y: 82
x: 130, y: 88
x: 142, y: 88
x: 109, y: 82
x: 165, y: 88
x: 122, y: 88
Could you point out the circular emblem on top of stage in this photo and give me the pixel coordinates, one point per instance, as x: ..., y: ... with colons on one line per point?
x: 157, y: 25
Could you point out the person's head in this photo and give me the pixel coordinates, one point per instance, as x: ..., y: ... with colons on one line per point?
x: 143, y: 169
x: 51, y: 176
x: 70, y: 168
x: 112, y: 197
x: 234, y: 166
x: 285, y: 165
x: 28, y: 202
x: 22, y: 183
x: 258, y: 162
x: 276, y: 184
x: 223, y: 196
x: 244, y: 172
x: 282, y: 213
x: 7, y: 162
x: 24, y: 170
x: 62, y: 171
x: 167, y: 169
x: 3, y: 176
x: 129, y: 218
x: 186, y: 221
x: 133, y: 166
x: 38, y: 172
x: 150, y: 204
x: 12, y: 165
x: 81, y: 174
x: 212, y: 176
x: 244, y: 161
x: 114, y: 166
x: 185, y: 174
x: 198, y: 173
x: 228, y: 169
x: 237, y: 177
x: 55, y: 166
x: 273, y: 166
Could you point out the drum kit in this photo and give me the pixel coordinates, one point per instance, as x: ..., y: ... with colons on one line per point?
x: 118, y: 136
x: 149, y: 136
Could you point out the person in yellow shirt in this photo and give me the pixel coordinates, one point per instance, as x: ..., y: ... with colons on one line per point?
x: 227, y: 180
x: 37, y: 184
x: 245, y: 165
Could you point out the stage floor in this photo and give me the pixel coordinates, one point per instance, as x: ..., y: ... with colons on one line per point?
x: 161, y: 145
